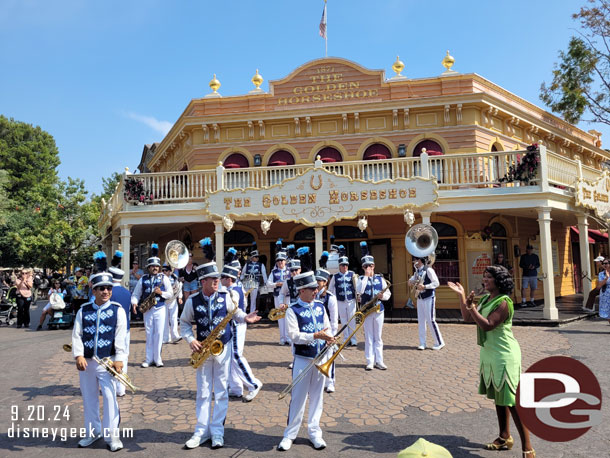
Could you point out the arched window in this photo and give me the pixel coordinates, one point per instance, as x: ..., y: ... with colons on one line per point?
x: 499, y: 240
x: 432, y: 149
x: 349, y: 232
x: 377, y: 171
x: 447, y: 264
x: 280, y: 159
x: 330, y: 156
x: 235, y: 178
x: 241, y: 241
x: 307, y: 234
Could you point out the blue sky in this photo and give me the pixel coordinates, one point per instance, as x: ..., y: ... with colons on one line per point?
x: 106, y: 77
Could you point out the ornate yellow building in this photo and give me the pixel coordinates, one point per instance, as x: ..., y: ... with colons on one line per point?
x: 244, y: 168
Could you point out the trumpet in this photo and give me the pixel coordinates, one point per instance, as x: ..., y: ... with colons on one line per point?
x: 67, y: 347
x: 276, y: 314
x: 123, y: 378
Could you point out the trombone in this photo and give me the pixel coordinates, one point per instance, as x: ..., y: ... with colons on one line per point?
x: 324, y: 368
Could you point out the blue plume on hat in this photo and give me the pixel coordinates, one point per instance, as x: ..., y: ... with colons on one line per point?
x: 154, y: 250
x: 116, y: 259
x: 254, y: 247
x: 332, y: 241
x: 305, y: 258
x: 208, y: 250
x: 342, y: 251
x: 230, y: 255
x: 364, y: 248
x: 101, y: 263
x: 291, y: 251
x: 323, y: 260
x: 278, y: 245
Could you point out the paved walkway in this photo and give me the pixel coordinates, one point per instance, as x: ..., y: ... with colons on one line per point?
x: 424, y: 393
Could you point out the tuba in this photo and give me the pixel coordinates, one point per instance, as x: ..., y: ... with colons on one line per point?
x: 421, y: 241
x: 176, y: 254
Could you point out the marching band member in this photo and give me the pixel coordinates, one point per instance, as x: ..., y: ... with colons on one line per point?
x: 307, y: 325
x: 256, y: 269
x: 240, y: 373
x: 99, y: 330
x: 207, y: 308
x: 343, y: 285
x: 371, y: 285
x: 276, y: 280
x: 426, y: 312
x: 170, y: 331
x: 288, y: 293
x: 155, y: 318
x: 329, y: 301
x: 121, y: 296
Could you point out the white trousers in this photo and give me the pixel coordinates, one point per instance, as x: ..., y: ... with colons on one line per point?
x: 252, y: 298
x: 347, y: 309
x: 212, y: 395
x: 154, y: 322
x: 240, y: 374
x: 281, y: 322
x: 373, y: 345
x: 312, y: 386
x: 426, y: 317
x: 120, y: 388
x: 170, y: 331
x: 93, y: 379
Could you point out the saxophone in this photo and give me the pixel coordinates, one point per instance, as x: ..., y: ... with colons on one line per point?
x: 148, y: 303
x: 211, y: 345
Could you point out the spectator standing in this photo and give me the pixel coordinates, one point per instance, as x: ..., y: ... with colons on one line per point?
x: 529, y: 263
x: 134, y: 275
x: 590, y: 305
x: 24, y: 297
x: 604, y: 292
x: 501, y: 261
x: 188, y: 277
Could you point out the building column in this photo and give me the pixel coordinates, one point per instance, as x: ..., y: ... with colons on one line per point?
x: 115, y: 243
x: 319, y: 231
x: 219, y: 233
x: 125, y: 241
x: 585, y: 261
x: 550, y: 311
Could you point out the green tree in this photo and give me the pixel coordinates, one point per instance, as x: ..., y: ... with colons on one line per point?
x: 581, y: 79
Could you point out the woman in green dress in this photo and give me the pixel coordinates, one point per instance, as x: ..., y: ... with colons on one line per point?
x: 500, y: 365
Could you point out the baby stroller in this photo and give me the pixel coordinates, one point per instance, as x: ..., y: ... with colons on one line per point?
x: 8, y: 306
x: 61, y: 316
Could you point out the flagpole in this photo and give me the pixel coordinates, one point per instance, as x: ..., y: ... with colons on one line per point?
x: 326, y: 35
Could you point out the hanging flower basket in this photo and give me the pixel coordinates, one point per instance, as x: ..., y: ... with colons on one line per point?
x: 135, y: 192
x: 527, y: 168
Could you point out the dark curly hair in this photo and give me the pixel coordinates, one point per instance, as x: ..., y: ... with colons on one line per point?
x: 502, y: 278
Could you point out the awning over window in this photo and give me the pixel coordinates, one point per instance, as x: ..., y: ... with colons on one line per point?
x: 575, y: 234
x: 598, y: 236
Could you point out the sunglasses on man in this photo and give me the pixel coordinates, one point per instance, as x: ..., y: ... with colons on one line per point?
x: 104, y: 288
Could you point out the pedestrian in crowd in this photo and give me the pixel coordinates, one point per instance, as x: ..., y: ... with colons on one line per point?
x: 24, y: 286
x: 47, y: 310
x: 590, y: 305
x: 134, y: 275
x: 188, y: 278
x: 604, y: 290
x: 529, y: 264
x: 500, y: 354
x: 80, y: 291
x: 501, y: 261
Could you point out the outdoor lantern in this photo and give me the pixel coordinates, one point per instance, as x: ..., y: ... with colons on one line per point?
x: 402, y: 150
x: 257, y: 160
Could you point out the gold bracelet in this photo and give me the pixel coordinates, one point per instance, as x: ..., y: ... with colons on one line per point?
x: 470, y: 308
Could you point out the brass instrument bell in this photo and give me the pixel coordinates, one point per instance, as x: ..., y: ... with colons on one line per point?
x: 176, y: 254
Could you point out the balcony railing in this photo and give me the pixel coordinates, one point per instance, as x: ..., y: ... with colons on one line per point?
x: 452, y: 172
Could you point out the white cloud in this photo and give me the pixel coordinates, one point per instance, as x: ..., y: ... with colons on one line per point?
x: 163, y: 127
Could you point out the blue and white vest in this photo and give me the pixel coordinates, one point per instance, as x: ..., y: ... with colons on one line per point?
x: 254, y: 269
x: 344, y: 286
x: 292, y: 290
x: 374, y: 286
x: 242, y: 296
x: 311, y: 319
x: 279, y: 275
x: 325, y: 299
x: 99, y: 326
x: 208, y: 316
x: 426, y: 293
x: 149, y: 283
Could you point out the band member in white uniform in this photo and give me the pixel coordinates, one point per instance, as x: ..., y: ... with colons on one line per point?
x: 256, y: 269
x: 99, y: 330
x: 155, y: 318
x: 241, y: 374
x: 276, y: 280
x: 343, y: 285
x: 308, y: 328
x: 170, y: 331
x: 427, y: 282
x: 371, y: 285
x: 207, y: 309
x: 329, y: 301
x: 122, y: 296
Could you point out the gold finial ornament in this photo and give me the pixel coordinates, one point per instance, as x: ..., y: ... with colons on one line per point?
x: 398, y: 66
x: 448, y: 61
x: 257, y: 80
x: 215, y: 84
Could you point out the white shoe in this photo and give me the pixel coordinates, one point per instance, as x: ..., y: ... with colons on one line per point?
x: 218, y: 441
x: 196, y: 440
x: 115, y: 445
x: 252, y: 394
x: 285, y: 444
x: 235, y: 395
x: 144, y: 364
x: 87, y: 441
x: 330, y: 389
x: 438, y: 347
x: 160, y: 364
x: 381, y: 366
x: 421, y: 347
x: 282, y: 342
x: 318, y: 443
x: 290, y: 366
x: 369, y: 367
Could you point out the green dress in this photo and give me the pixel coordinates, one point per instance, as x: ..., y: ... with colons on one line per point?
x: 500, y: 355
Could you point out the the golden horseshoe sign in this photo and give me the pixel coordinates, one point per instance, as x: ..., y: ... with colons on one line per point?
x: 311, y: 182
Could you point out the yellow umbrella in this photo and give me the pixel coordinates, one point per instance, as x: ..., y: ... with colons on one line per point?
x: 423, y: 448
